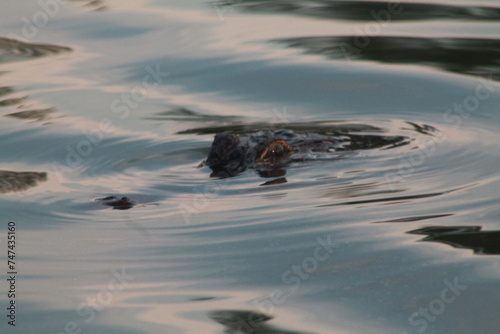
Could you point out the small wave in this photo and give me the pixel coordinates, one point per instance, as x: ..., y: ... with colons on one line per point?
x: 467, y: 237
x: 470, y: 56
x: 36, y: 115
x: 11, y: 181
x: 15, y: 50
x: 363, y: 10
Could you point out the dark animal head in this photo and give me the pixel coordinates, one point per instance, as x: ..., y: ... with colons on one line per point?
x: 231, y: 155
x: 227, y: 156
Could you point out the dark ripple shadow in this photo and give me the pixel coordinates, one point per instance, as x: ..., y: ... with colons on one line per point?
x: 467, y: 237
x: 5, y: 90
x: 470, y: 56
x: 12, y: 50
x: 415, y: 218
x: 181, y: 114
x: 353, y: 189
x: 15, y: 50
x: 36, y: 115
x: 332, y: 128
x: 365, y: 10
x: 12, y: 101
x: 96, y: 5
x: 19, y: 181
x: 424, y: 129
x: 396, y: 199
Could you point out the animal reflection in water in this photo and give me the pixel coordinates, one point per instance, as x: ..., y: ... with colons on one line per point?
x: 243, y: 321
x: 270, y: 152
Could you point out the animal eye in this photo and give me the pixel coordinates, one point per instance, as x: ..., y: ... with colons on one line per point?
x: 275, y: 150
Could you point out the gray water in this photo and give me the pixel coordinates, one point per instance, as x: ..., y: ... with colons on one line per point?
x: 123, y: 98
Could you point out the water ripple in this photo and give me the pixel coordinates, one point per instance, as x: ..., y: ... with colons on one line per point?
x: 470, y: 56
x: 15, y: 50
x: 364, y: 10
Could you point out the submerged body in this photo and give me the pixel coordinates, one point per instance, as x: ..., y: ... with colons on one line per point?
x: 270, y: 152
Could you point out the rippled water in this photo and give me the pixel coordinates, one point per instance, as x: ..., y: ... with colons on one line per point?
x: 394, y: 231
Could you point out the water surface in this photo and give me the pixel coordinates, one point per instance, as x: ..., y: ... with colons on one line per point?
x: 123, y: 98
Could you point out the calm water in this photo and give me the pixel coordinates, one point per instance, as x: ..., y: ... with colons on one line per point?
x: 123, y: 98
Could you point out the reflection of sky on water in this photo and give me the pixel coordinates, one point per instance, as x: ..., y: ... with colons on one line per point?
x: 204, y: 270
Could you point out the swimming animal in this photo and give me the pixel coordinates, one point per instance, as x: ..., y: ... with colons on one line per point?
x: 270, y: 152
